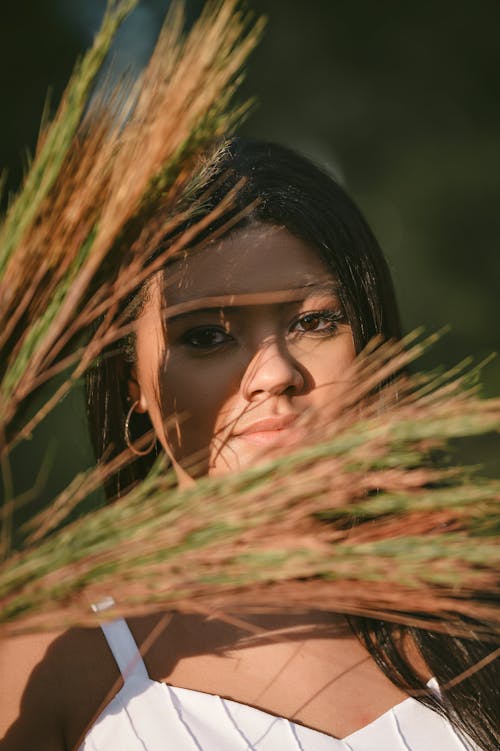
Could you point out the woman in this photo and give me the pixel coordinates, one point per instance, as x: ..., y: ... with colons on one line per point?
x: 233, y: 345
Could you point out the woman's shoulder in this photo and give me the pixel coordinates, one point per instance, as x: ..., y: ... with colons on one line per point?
x: 28, y: 688
x: 51, y: 687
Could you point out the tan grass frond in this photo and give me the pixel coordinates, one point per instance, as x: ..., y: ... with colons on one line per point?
x: 363, y: 522
x: 132, y: 153
x: 56, y: 139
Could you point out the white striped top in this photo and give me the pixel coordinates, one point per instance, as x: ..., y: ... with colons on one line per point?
x: 147, y: 715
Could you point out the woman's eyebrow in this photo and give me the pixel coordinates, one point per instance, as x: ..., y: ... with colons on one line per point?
x: 213, y: 303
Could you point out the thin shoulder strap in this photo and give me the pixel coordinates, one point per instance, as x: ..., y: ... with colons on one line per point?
x: 124, y: 649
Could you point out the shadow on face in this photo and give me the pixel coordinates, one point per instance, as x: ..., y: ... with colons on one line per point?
x: 238, y: 342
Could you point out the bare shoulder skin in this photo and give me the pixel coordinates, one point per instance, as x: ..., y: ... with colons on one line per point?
x: 51, y: 687
x: 28, y: 689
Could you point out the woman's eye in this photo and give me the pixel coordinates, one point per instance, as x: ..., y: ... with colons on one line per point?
x: 319, y: 322
x: 206, y: 337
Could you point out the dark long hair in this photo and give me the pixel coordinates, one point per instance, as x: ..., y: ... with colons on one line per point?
x: 293, y: 192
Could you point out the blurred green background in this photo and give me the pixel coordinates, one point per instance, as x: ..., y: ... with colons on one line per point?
x: 400, y: 99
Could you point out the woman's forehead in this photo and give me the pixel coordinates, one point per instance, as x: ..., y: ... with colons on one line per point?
x: 258, y: 259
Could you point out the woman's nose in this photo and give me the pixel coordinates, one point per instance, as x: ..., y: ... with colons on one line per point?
x: 272, y: 372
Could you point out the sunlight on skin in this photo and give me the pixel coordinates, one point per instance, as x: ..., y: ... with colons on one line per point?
x: 256, y: 339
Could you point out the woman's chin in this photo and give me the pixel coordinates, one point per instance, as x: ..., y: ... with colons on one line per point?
x: 243, y: 452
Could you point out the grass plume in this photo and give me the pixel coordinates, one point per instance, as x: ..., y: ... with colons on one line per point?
x: 67, y: 237
x: 359, y: 520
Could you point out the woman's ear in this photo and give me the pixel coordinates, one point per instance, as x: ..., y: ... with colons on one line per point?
x: 135, y: 392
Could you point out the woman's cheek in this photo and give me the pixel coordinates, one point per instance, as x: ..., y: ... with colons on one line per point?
x: 191, y: 408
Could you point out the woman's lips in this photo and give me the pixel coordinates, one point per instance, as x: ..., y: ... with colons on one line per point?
x: 271, y: 431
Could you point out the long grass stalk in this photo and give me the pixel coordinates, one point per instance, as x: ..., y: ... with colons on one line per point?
x: 364, y: 516
x: 105, y: 174
x: 57, y: 138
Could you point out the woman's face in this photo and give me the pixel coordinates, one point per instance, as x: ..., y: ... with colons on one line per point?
x: 256, y: 339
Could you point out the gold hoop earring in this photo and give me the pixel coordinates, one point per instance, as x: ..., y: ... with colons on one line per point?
x: 137, y: 452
